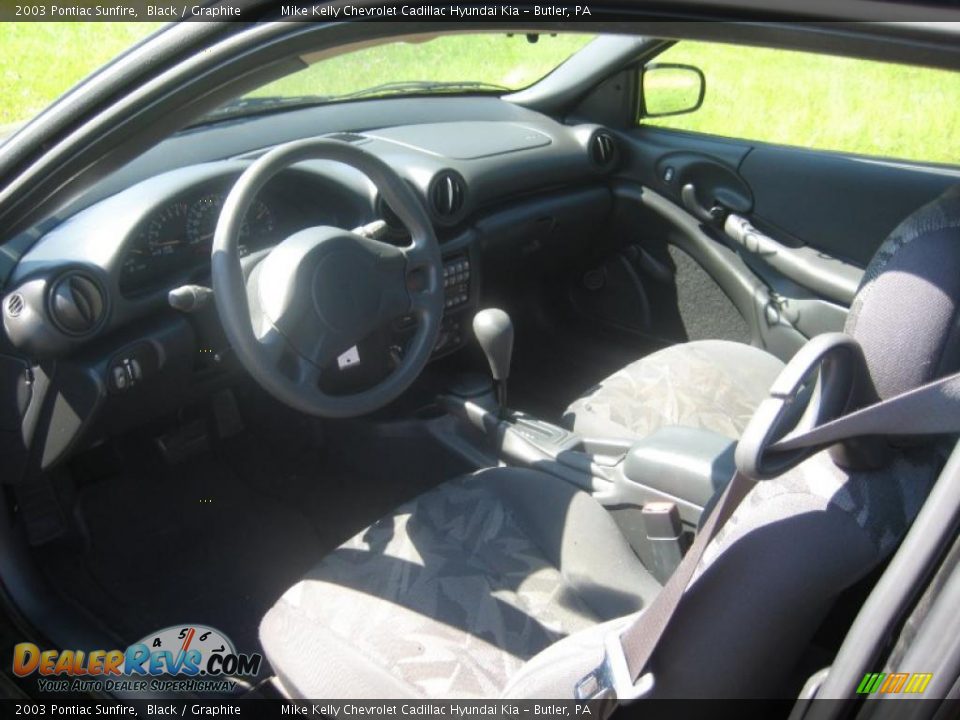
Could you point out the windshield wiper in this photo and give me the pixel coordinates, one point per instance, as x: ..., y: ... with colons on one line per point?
x: 414, y: 87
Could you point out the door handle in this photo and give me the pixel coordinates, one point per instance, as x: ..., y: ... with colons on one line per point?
x: 715, y: 215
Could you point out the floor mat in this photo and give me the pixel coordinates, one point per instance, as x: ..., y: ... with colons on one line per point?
x: 217, y: 539
x: 192, y: 545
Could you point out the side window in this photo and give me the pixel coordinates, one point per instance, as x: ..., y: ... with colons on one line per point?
x: 815, y: 101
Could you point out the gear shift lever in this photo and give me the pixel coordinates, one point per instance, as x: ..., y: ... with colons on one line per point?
x: 494, y: 332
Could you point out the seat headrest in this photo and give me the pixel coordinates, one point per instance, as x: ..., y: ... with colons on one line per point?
x: 905, y: 313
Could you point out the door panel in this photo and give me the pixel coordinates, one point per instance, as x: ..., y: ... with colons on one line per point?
x: 648, y: 146
x: 650, y: 220
x: 841, y: 205
x: 655, y: 289
x: 811, y: 222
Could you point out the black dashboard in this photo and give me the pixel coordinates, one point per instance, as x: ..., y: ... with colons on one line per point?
x: 116, y: 260
x: 91, y: 295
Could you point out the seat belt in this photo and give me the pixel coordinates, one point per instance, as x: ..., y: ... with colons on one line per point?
x: 931, y: 409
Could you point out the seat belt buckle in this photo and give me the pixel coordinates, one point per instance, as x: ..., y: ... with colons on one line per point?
x: 611, y: 679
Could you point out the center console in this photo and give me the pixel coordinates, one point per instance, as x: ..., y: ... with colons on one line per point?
x: 457, y: 296
x: 460, y: 293
x: 456, y: 281
x: 657, y: 488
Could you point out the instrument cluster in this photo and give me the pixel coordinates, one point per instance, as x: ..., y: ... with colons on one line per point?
x: 178, y: 237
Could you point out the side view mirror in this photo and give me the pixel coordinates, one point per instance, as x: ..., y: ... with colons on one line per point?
x: 670, y: 89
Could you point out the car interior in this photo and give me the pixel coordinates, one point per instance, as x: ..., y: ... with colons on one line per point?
x: 425, y: 392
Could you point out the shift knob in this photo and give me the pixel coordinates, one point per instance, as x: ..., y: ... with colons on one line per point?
x: 494, y: 332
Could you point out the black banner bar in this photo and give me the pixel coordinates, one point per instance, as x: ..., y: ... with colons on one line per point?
x: 437, y: 709
x: 474, y: 11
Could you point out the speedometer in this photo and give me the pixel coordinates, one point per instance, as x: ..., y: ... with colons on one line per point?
x: 258, y: 226
x: 205, y: 213
x: 202, y: 221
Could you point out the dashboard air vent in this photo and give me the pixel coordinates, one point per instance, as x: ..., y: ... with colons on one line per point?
x: 15, y: 305
x: 76, y: 304
x: 447, y: 195
x: 603, y: 149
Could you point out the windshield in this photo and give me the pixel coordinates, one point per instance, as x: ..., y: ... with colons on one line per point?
x: 462, y: 63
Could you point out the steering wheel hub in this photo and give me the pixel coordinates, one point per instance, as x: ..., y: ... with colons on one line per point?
x: 345, y: 288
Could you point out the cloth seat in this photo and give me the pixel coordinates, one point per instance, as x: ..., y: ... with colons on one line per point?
x: 505, y: 582
x: 716, y: 385
x: 708, y: 384
x: 451, y: 594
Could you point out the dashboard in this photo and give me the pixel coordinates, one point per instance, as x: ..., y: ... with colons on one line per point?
x: 116, y: 260
x: 90, y: 299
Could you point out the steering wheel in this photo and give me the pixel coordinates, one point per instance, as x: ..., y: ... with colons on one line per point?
x: 324, y: 289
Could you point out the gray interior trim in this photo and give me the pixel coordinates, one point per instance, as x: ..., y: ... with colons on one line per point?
x: 467, y: 140
x: 720, y: 262
x: 827, y: 276
x: 256, y: 134
x: 686, y: 463
x: 842, y: 204
x: 936, y: 646
x: 748, y: 293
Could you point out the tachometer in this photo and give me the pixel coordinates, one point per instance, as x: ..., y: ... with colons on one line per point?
x: 167, y: 233
x: 158, y: 247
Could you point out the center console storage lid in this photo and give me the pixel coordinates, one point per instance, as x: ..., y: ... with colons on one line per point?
x: 685, y: 463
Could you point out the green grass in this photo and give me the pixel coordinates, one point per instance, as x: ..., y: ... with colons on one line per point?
x: 42, y: 60
x: 823, y: 102
x: 508, y: 61
x: 770, y: 95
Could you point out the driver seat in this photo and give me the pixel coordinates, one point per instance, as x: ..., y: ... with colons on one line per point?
x: 505, y: 583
